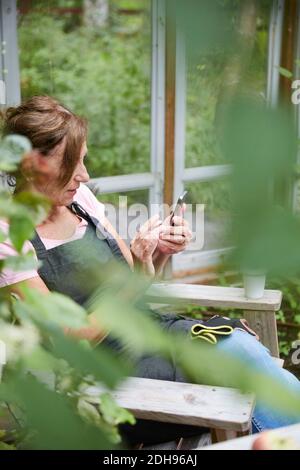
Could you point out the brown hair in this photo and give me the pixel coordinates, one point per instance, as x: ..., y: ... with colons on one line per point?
x: 45, y: 122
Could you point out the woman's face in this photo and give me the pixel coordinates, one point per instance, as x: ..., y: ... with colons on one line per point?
x: 61, y: 196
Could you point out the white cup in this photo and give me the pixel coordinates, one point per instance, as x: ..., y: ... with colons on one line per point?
x: 254, y: 285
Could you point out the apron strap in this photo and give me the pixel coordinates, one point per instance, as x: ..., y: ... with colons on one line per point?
x: 77, y: 209
x: 38, y: 245
x: 101, y: 231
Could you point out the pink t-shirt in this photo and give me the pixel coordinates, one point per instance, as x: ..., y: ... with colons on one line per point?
x: 86, y: 199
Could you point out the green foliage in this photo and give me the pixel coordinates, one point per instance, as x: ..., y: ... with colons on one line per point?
x: 207, y: 77
x: 112, y: 412
x: 55, y: 311
x: 28, y: 346
x: 21, y: 262
x: 285, y: 73
x: 13, y: 147
x: 109, y: 85
x: 106, y: 79
x: 289, y: 315
x: 27, y: 209
x: 266, y: 233
x: 21, y: 226
x: 55, y: 425
x: 64, y: 416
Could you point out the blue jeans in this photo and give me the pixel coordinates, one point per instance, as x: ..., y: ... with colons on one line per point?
x: 245, y: 347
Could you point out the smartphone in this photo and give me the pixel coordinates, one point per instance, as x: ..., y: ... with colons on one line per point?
x: 178, y: 208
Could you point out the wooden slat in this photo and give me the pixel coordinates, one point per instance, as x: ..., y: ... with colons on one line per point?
x: 264, y: 324
x: 113, y: 184
x: 245, y: 443
x: 212, y: 296
x: 172, y: 445
x: 184, y: 403
x: 189, y: 443
x: 221, y: 435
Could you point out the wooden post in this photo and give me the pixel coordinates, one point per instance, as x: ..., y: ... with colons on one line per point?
x: 283, y: 186
x: 221, y: 435
x: 289, y: 33
x: 170, y: 103
x: 170, y: 115
x: 264, y: 324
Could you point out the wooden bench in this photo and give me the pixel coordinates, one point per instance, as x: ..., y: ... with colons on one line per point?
x: 260, y: 313
x: 225, y: 410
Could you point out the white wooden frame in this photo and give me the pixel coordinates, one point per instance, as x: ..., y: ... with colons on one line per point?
x: 296, y: 188
x: 274, y: 51
x: 9, y: 63
x: 153, y: 180
x: 205, y: 259
x: 113, y: 184
x: 196, y: 260
x: 158, y: 101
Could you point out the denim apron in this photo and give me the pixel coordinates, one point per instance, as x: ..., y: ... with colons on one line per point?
x: 66, y: 269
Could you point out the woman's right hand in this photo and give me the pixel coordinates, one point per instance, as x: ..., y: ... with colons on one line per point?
x: 145, y: 243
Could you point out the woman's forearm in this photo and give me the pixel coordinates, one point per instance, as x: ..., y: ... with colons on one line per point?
x: 93, y: 332
x: 154, y: 266
x: 145, y: 267
x: 159, y: 261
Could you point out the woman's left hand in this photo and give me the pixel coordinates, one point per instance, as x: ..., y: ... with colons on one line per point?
x: 174, y: 239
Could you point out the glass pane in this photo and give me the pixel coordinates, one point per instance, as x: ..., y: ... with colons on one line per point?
x: 215, y: 195
x: 208, y: 81
x: 101, y: 71
x: 126, y: 211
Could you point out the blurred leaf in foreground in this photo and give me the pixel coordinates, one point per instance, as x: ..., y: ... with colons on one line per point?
x: 261, y: 145
x: 50, y: 416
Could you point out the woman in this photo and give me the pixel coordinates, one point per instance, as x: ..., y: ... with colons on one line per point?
x: 57, y: 170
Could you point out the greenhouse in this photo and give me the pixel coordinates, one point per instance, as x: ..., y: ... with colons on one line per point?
x: 149, y: 215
